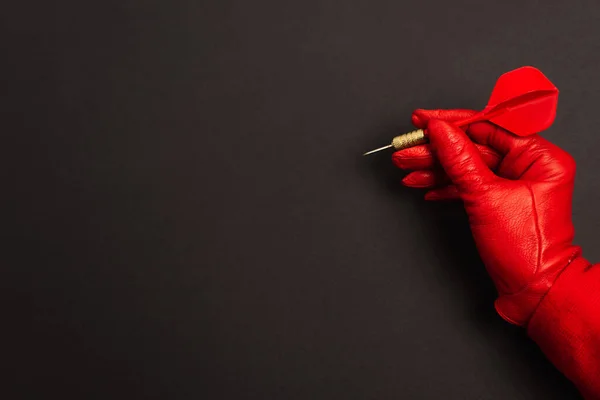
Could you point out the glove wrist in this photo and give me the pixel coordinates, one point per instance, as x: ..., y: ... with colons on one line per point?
x: 518, y: 308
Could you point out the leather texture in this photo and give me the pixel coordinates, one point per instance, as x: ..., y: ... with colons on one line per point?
x: 520, y: 215
x: 517, y: 192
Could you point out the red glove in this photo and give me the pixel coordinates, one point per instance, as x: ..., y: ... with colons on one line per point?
x: 520, y: 217
x: 517, y: 193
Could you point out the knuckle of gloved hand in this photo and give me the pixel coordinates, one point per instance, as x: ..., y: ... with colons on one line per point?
x: 562, y: 159
x: 569, y: 165
x: 561, y: 163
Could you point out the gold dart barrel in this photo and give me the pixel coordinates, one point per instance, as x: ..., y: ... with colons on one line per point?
x: 404, y: 141
x: 409, y: 139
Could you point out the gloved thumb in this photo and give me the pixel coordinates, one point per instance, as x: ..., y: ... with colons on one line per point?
x: 458, y: 156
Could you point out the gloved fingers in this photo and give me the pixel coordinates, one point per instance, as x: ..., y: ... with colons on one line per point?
x: 421, y: 117
x: 458, y: 156
x: 418, y: 157
x: 421, y: 157
x: 446, y: 193
x: 490, y: 157
x: 541, y: 160
x: 520, y: 153
x: 497, y: 138
x: 426, y: 179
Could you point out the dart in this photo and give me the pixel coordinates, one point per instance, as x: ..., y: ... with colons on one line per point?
x: 523, y: 102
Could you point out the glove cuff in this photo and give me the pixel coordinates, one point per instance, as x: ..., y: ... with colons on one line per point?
x: 518, y: 308
x: 566, y: 326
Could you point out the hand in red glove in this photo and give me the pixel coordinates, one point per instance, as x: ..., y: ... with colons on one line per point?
x: 517, y: 193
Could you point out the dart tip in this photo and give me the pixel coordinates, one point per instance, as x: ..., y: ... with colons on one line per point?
x: 376, y: 150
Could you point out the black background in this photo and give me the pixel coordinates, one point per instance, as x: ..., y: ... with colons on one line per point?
x: 188, y: 216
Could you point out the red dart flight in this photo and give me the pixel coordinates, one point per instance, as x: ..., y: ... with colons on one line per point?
x: 523, y: 102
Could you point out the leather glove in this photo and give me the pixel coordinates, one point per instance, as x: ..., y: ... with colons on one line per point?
x: 517, y: 193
